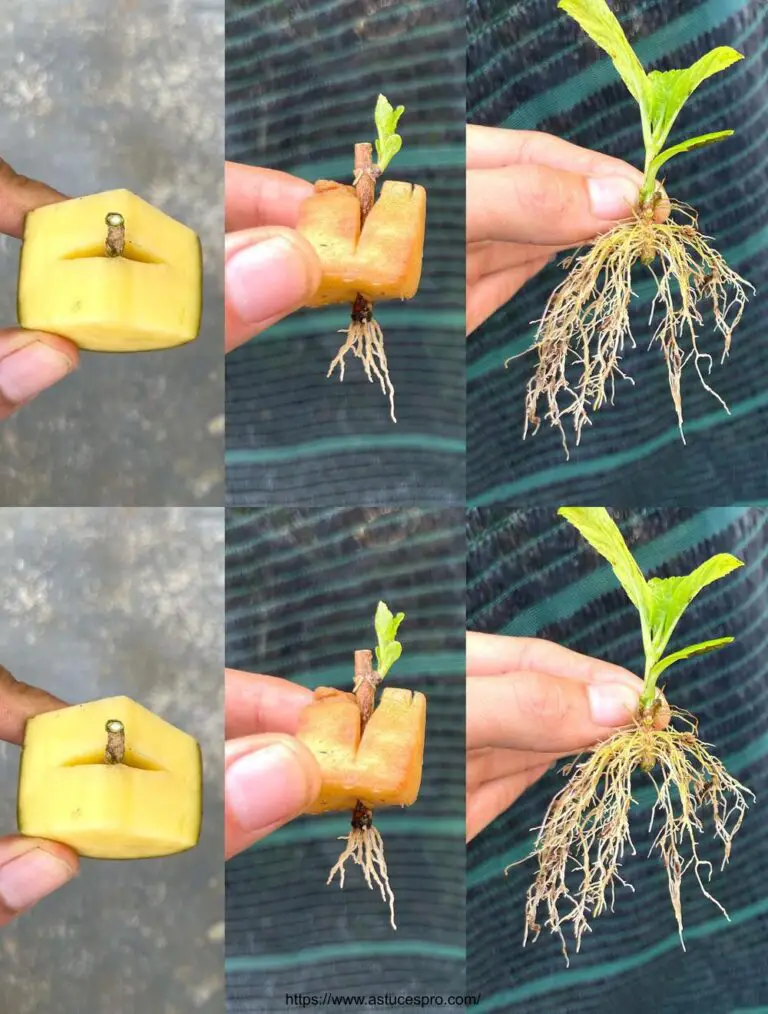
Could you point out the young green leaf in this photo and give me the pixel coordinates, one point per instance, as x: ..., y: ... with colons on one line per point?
x: 602, y: 26
x: 694, y: 142
x: 602, y: 533
x: 388, y: 650
x: 669, y: 90
x: 388, y: 143
x: 693, y: 649
x: 671, y: 596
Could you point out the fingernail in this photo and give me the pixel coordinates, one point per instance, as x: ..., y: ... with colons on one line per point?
x: 265, y: 787
x: 29, y: 370
x: 28, y: 878
x: 266, y: 279
x: 612, y: 197
x: 611, y: 704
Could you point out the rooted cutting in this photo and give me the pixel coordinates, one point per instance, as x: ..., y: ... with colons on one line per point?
x: 582, y: 336
x: 369, y: 756
x: 585, y: 836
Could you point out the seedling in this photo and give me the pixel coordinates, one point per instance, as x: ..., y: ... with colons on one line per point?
x: 369, y: 756
x: 586, y: 320
x: 581, y: 844
x: 365, y: 339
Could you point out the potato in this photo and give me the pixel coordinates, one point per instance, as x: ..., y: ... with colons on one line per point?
x: 381, y: 768
x: 383, y: 261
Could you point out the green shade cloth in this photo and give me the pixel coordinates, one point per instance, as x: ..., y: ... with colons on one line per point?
x: 302, y: 589
x: 530, y: 573
x: 531, y: 67
x: 302, y: 82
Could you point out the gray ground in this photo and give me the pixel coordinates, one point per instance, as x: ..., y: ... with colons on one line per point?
x: 94, y: 96
x: 95, y: 603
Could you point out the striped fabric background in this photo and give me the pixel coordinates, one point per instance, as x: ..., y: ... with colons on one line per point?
x: 302, y: 81
x: 529, y: 573
x: 302, y: 587
x: 530, y: 66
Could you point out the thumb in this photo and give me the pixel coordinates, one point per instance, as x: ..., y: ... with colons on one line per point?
x: 543, y: 713
x: 546, y: 206
x: 269, y: 273
x: 269, y: 780
x: 30, y: 869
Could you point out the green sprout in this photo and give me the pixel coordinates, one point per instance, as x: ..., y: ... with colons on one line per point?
x: 389, y: 142
x: 660, y: 601
x: 660, y: 94
x: 388, y: 650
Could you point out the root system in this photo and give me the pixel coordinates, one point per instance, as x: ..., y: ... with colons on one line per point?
x: 366, y: 342
x: 586, y: 321
x: 585, y: 835
x: 365, y: 847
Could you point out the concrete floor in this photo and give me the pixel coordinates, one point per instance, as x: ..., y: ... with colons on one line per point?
x: 96, y: 96
x: 95, y: 603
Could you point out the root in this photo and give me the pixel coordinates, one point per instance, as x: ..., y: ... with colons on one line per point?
x: 585, y: 834
x: 586, y: 320
x: 365, y: 341
x: 366, y: 848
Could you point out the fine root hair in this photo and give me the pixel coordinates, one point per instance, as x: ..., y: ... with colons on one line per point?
x: 581, y: 338
x: 365, y: 847
x: 365, y: 341
x: 585, y: 835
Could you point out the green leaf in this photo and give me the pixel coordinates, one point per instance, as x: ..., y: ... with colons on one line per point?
x: 388, y: 143
x: 693, y: 649
x: 669, y: 90
x: 388, y: 650
x: 694, y: 142
x: 602, y: 26
x: 602, y: 533
x: 671, y: 596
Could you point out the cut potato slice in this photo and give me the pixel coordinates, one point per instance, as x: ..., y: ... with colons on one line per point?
x: 380, y: 768
x: 381, y: 261
x: 148, y: 805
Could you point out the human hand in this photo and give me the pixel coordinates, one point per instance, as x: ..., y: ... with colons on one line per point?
x: 529, y: 702
x: 530, y: 195
x: 270, y: 776
x: 30, y: 361
x: 30, y: 868
x: 270, y: 269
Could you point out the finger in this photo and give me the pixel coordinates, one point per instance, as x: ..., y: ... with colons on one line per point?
x: 538, y: 204
x: 489, y: 654
x: 497, y: 147
x: 487, y: 295
x: 536, y: 711
x: 486, y: 258
x: 30, y: 362
x: 269, y: 780
x: 18, y: 702
x: 30, y: 869
x: 255, y: 196
x: 492, y: 798
x: 270, y: 272
x: 18, y: 195
x: 486, y: 764
x: 256, y: 703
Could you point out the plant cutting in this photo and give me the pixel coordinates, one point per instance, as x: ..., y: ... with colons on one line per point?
x: 582, y: 842
x: 369, y: 249
x: 369, y: 756
x: 586, y: 321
